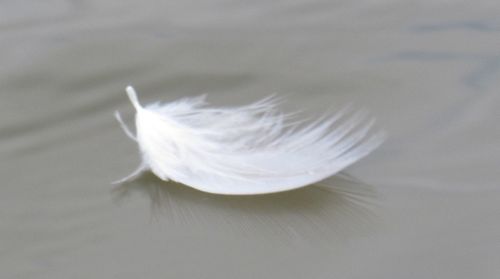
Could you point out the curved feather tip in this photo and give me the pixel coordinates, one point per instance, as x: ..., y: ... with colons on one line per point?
x: 247, y: 150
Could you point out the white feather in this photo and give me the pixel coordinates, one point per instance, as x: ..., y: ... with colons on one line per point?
x: 245, y: 150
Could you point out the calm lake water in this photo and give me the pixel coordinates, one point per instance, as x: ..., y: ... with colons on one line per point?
x: 424, y: 205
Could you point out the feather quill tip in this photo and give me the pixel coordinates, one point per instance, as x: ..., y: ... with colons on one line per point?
x: 132, y: 95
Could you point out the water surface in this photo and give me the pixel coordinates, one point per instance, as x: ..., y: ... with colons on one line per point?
x: 424, y: 205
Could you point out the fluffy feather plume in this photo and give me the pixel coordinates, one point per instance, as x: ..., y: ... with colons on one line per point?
x: 245, y: 150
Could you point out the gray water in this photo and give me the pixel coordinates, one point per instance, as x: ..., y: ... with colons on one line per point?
x: 424, y: 205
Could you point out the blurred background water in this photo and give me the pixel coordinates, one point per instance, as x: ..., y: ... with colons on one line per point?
x: 424, y: 205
